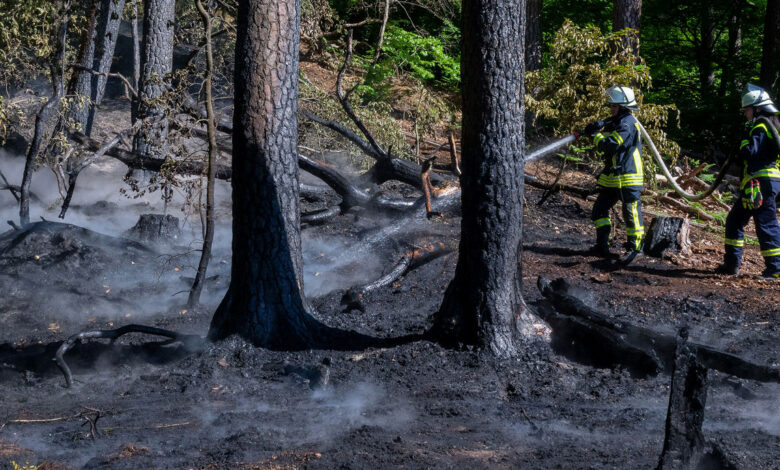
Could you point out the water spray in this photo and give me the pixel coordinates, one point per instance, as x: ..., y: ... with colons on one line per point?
x: 550, y: 148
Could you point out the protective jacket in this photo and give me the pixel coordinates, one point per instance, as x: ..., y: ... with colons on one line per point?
x: 758, y: 154
x: 621, y: 144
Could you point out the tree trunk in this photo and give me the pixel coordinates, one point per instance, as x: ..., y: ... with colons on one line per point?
x: 81, y: 81
x: 482, y: 302
x: 735, y: 48
x: 136, y: 61
x: 627, y: 14
x: 533, y: 35
x: 705, y: 50
x: 770, y: 55
x: 156, y: 62
x: 265, y: 302
x: 211, y: 125
x: 58, y: 83
x: 106, y: 34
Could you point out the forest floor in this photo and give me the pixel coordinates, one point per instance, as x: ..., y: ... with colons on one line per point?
x: 416, y: 405
x: 140, y: 403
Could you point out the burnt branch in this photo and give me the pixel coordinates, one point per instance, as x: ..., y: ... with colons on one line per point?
x: 321, y: 216
x: 425, y: 177
x: 128, y: 86
x: 455, y: 159
x: 59, y: 358
x: 351, y: 195
x: 353, y: 298
x: 344, y: 100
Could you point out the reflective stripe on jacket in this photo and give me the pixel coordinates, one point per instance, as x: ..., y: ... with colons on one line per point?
x: 622, y: 147
x: 759, y: 154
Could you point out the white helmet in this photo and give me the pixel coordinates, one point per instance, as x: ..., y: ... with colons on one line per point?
x: 623, y: 96
x: 759, y: 98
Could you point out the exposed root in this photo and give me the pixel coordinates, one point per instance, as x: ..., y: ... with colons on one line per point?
x: 59, y: 358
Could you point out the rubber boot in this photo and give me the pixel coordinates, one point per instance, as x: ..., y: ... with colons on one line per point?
x: 727, y: 269
x: 601, y: 248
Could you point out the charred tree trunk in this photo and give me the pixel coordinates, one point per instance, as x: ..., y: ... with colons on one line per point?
x: 627, y: 14
x: 683, y: 440
x: 156, y: 63
x: 265, y: 302
x: 482, y: 302
x: 106, y: 34
x: 770, y: 55
x: 533, y: 35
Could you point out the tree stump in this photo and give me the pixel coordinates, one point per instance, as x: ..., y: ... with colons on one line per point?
x: 668, y: 235
x: 156, y: 228
x: 684, y: 441
x: 684, y: 445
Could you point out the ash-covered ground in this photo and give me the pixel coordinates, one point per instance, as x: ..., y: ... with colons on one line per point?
x: 141, y: 403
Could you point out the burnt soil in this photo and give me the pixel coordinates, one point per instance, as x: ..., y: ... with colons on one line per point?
x: 417, y: 405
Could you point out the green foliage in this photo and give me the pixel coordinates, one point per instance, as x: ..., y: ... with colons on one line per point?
x: 423, y: 57
x: 584, y: 62
x: 27, y: 38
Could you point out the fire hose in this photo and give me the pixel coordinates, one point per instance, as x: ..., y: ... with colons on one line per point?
x: 539, y: 153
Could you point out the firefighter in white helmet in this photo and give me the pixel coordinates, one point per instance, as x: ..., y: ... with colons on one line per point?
x: 760, y: 185
x: 622, y: 178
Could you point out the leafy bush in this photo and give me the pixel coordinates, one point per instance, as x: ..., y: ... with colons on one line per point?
x: 424, y: 57
x: 570, y: 92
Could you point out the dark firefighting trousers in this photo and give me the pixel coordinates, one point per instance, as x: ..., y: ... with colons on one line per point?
x: 632, y: 212
x: 767, y: 229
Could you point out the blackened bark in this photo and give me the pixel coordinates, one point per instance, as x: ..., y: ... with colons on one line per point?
x: 770, y: 56
x: 265, y: 302
x: 106, y: 34
x: 482, y: 302
x: 533, y: 35
x: 156, y: 62
x: 684, y: 441
x: 627, y: 14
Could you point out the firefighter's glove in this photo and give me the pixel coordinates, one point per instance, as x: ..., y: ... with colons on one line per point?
x: 751, y: 195
x: 593, y: 127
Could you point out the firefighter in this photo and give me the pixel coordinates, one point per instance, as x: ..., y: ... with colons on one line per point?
x: 618, y: 138
x: 759, y: 187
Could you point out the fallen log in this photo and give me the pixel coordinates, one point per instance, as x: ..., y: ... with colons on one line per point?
x: 321, y: 216
x: 353, y: 298
x: 531, y: 180
x: 657, y: 346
